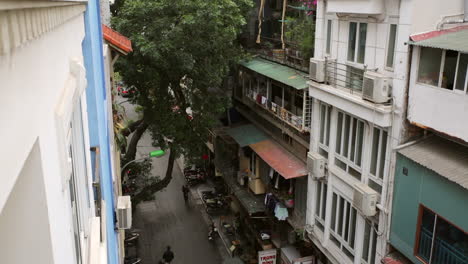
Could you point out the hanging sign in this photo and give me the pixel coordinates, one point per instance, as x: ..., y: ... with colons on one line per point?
x: 267, y: 256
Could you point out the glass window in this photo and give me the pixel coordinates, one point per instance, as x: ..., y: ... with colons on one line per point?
x: 439, y: 241
x: 362, y: 42
x: 391, y: 45
x: 357, y: 38
x: 329, y: 30
x: 298, y: 103
x: 321, y: 201
x: 461, y: 72
x: 343, y: 224
x: 349, y: 144
x: 352, y: 40
x: 429, y: 66
x: 354, y: 78
x: 370, y: 243
x: 450, y: 66
x: 287, y: 99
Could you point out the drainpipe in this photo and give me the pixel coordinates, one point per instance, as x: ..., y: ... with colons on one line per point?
x: 455, y: 21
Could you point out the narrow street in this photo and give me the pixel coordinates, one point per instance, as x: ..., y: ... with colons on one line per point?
x: 167, y: 220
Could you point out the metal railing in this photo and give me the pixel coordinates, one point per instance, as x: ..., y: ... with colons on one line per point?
x: 344, y: 76
x: 289, y: 56
x: 279, y: 112
x: 440, y: 252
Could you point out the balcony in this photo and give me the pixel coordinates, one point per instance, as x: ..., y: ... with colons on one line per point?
x: 438, y: 92
x: 292, y: 56
x: 344, y: 86
x: 438, y: 251
x: 276, y: 90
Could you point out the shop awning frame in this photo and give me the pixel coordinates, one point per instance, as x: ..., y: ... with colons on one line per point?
x: 246, y: 134
x: 278, y: 72
x: 281, y: 160
x: 448, y: 39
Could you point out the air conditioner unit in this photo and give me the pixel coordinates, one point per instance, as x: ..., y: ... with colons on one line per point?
x: 365, y: 199
x: 316, y: 165
x: 317, y: 70
x: 376, y: 87
x: 124, y: 212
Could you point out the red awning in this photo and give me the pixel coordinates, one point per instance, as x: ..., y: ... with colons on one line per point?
x: 117, y: 40
x: 436, y: 33
x: 280, y: 159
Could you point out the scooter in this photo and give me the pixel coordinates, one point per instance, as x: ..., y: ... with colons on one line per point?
x: 212, y: 232
x: 131, y: 239
x: 132, y: 260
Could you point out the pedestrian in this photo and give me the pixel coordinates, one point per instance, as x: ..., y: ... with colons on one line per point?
x: 185, y: 191
x: 168, y: 255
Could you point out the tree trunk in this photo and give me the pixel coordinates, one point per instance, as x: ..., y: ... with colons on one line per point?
x: 148, y: 191
x: 132, y: 146
x: 131, y: 127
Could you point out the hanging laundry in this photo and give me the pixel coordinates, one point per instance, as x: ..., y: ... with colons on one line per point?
x: 264, y: 100
x: 281, y: 213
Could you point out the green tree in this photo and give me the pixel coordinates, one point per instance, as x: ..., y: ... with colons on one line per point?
x: 182, y: 50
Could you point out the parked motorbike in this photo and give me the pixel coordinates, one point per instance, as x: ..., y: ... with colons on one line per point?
x: 212, y: 232
x: 131, y: 239
x: 132, y: 260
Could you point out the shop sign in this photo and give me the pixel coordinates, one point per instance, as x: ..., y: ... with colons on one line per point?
x: 267, y: 256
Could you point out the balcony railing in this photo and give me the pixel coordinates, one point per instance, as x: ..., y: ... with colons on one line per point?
x: 290, y: 56
x: 442, y: 252
x: 344, y: 76
x: 301, y: 123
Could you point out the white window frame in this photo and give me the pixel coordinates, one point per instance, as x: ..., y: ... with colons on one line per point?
x: 339, y: 155
x: 378, y: 177
x: 321, y: 203
x: 390, y: 68
x: 372, y: 246
x: 356, y: 51
x: 325, y: 124
x: 347, y: 207
x: 441, y: 70
x: 328, y: 40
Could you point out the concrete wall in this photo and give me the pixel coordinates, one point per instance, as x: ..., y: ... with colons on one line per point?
x: 437, y: 108
x: 35, y: 78
x: 423, y: 186
x: 426, y: 14
x: 24, y: 221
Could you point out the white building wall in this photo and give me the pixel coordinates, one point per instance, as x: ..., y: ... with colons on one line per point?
x: 42, y: 77
x: 378, y: 27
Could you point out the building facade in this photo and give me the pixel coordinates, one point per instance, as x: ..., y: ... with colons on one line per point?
x: 362, y: 67
x: 428, y: 222
x: 57, y: 200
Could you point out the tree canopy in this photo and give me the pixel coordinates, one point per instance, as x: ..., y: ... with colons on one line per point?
x: 182, y: 50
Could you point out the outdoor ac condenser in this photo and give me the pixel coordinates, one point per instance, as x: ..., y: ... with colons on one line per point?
x: 376, y: 87
x: 316, y: 165
x: 317, y: 70
x: 124, y: 212
x: 365, y: 199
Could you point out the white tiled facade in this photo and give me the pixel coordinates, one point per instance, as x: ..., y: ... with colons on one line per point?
x: 379, y: 127
x: 340, y: 231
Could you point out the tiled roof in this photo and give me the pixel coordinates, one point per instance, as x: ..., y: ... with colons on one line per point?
x: 449, y: 39
x: 448, y: 159
x: 117, y: 40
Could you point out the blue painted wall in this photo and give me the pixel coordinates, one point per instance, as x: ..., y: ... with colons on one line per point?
x: 423, y: 186
x: 98, y: 117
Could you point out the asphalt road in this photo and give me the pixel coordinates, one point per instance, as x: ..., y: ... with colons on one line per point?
x: 167, y: 220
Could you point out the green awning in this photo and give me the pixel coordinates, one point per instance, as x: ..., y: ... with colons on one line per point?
x: 456, y: 40
x: 245, y: 135
x: 278, y: 72
x: 305, y: 8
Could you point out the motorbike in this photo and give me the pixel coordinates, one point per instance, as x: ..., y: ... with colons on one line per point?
x: 131, y: 239
x: 216, y: 210
x: 212, y: 232
x: 132, y: 260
